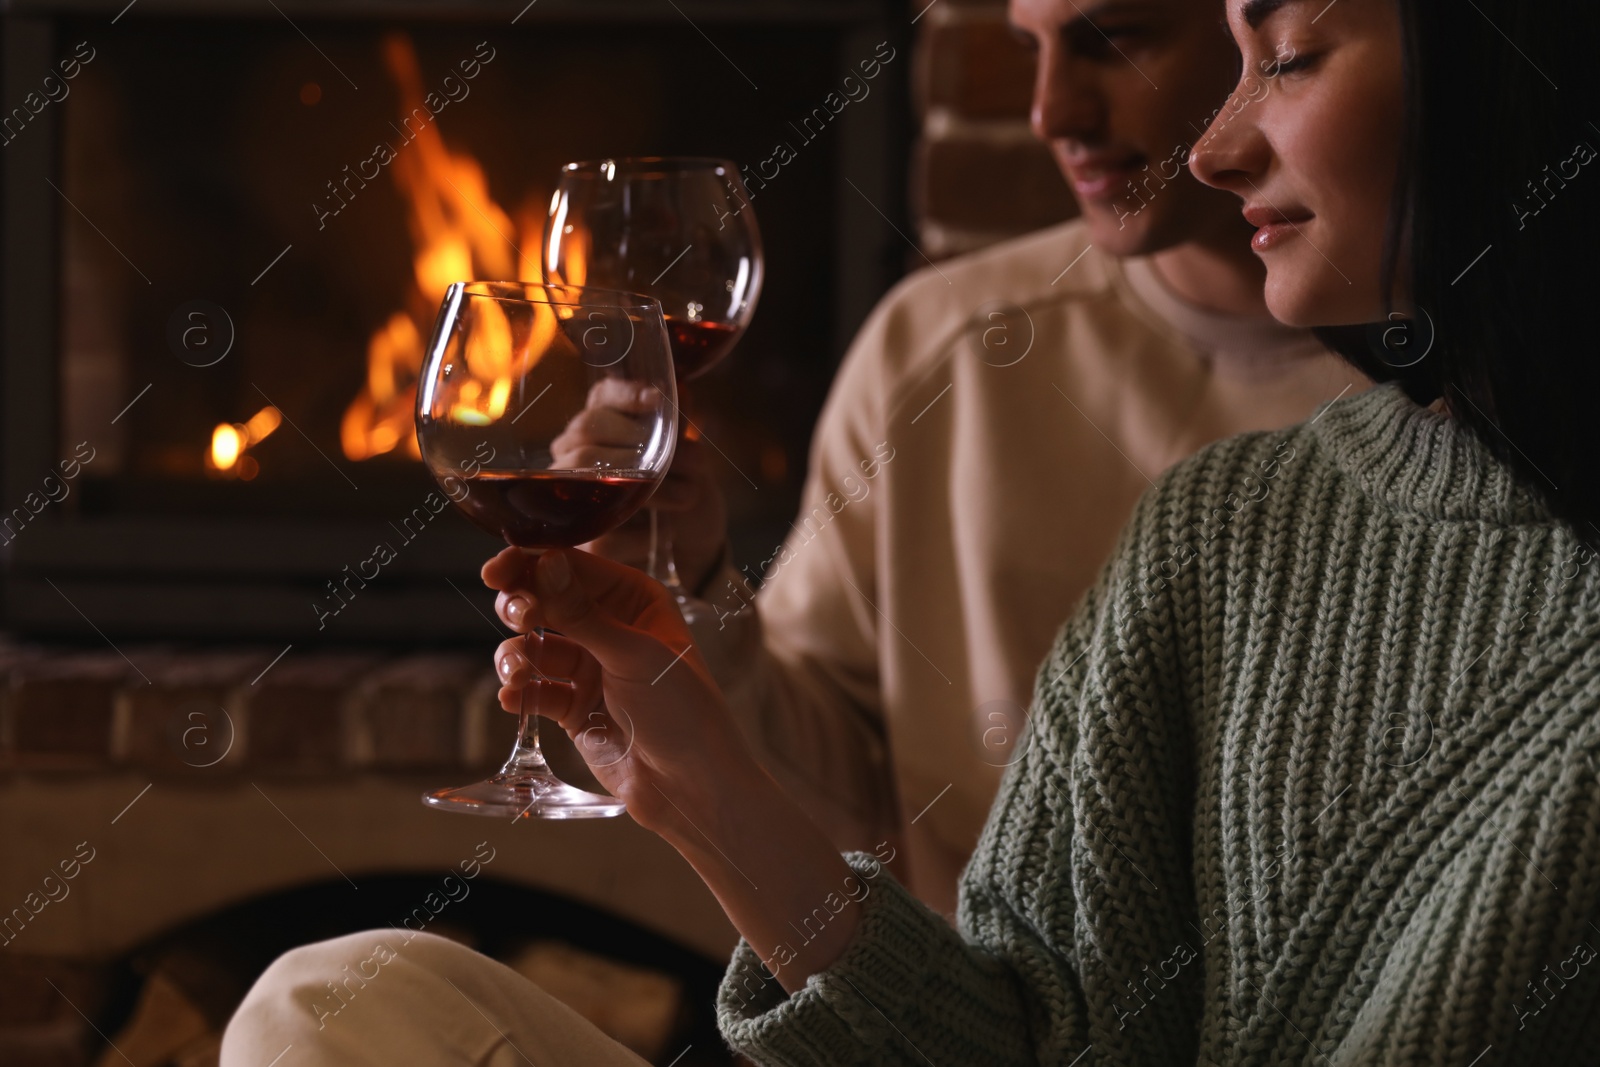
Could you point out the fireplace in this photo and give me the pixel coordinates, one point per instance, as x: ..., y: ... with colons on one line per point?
x: 221, y: 228
x: 223, y: 237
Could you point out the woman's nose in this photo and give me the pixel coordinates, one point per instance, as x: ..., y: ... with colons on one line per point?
x: 1230, y: 151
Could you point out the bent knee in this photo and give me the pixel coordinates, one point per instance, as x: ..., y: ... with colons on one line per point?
x: 321, y: 962
x: 307, y: 988
x: 341, y: 967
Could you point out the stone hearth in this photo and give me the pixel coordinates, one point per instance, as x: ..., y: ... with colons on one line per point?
x: 174, y: 783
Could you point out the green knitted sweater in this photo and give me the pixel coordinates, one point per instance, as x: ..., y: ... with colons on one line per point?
x: 1311, y: 779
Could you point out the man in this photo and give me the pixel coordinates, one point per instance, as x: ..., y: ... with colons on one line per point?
x: 985, y: 439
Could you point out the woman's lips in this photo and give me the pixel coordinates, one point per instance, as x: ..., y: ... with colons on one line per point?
x: 1274, y: 226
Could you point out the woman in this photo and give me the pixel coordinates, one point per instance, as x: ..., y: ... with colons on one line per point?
x: 1311, y: 773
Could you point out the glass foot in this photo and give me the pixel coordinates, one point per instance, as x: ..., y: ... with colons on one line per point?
x: 521, y: 796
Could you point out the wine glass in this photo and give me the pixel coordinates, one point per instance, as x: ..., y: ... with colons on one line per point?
x: 682, y: 230
x: 512, y: 372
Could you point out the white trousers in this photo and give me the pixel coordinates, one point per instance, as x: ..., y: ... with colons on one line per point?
x: 378, y: 998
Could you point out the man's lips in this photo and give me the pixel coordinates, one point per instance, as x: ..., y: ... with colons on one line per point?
x: 1274, y: 225
x: 1101, y: 177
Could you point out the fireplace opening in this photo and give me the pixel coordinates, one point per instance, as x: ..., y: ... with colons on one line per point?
x: 174, y: 994
x: 253, y: 222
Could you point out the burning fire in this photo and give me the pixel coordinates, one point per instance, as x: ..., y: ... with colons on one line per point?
x: 460, y: 233
x: 230, y: 440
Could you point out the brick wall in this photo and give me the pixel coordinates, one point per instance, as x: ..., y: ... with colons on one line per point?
x: 182, y: 712
x: 979, y: 175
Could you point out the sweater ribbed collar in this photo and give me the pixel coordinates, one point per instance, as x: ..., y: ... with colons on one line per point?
x: 1419, y: 461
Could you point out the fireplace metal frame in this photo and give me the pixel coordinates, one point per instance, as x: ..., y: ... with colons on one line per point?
x: 67, y: 574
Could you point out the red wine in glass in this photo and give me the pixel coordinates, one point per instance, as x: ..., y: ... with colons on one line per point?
x: 513, y: 373
x: 697, y: 346
x: 551, y: 509
x: 681, y: 229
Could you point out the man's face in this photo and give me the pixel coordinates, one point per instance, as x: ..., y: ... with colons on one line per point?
x: 1124, y: 89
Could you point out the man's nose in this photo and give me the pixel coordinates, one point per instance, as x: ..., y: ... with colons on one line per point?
x: 1066, y: 98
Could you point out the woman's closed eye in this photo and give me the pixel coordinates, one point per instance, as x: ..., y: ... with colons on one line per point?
x: 1294, y: 62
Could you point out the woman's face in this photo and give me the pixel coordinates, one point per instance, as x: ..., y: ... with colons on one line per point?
x: 1310, y: 140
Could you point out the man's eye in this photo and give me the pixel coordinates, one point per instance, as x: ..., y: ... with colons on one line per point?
x: 1121, y: 33
x: 1108, y: 41
x: 1025, y: 39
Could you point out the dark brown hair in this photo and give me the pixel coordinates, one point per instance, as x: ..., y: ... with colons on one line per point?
x: 1495, y: 229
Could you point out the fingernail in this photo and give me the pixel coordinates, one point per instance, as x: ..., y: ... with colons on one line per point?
x: 504, y: 666
x: 557, y: 572
x: 516, y: 608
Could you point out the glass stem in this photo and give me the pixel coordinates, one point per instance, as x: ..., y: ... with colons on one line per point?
x: 526, y: 757
x: 662, y: 566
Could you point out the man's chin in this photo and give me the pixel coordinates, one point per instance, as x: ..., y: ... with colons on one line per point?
x: 1120, y: 232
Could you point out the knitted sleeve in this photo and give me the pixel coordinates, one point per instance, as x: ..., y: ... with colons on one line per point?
x: 1008, y: 987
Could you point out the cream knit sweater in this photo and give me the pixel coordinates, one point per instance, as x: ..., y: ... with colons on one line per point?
x: 1311, y: 780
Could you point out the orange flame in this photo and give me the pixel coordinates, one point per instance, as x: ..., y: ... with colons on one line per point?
x: 227, y: 445
x: 230, y: 440
x: 459, y: 233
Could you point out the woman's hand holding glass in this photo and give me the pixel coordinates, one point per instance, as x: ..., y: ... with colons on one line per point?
x: 511, y: 368
x: 640, y: 705
x: 625, y: 682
